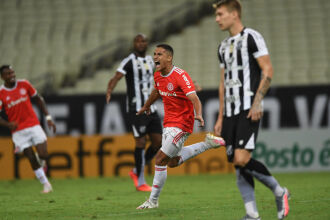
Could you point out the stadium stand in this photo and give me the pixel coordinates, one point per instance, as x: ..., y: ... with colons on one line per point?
x: 78, y: 43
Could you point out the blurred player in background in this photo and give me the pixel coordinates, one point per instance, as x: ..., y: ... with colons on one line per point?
x: 246, y: 73
x: 23, y: 122
x: 180, y: 100
x: 138, y: 69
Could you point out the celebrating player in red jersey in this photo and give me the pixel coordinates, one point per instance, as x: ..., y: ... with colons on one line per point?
x: 175, y: 89
x: 180, y: 100
x: 23, y: 122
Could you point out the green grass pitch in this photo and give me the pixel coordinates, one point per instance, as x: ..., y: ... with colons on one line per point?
x: 183, y: 197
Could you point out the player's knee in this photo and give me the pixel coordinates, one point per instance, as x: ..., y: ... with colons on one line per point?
x: 242, y: 157
x: 241, y: 161
x: 172, y: 163
x: 161, y: 159
x: 160, y: 162
x: 140, y: 142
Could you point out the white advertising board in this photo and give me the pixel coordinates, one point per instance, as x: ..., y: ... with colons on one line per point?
x: 294, y: 150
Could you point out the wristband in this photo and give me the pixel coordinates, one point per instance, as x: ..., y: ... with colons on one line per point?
x: 48, y: 117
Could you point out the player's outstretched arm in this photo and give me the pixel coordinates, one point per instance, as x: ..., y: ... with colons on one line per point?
x: 152, y: 98
x: 112, y: 84
x: 42, y: 105
x: 197, y: 107
x: 256, y: 110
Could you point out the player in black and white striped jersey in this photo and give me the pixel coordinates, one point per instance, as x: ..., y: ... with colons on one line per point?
x: 138, y: 69
x: 238, y: 56
x: 246, y: 73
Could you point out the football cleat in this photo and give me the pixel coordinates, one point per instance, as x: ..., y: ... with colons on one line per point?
x: 134, y: 177
x: 47, y: 188
x: 144, y: 188
x: 214, y: 141
x: 148, y: 205
x: 247, y: 217
x: 282, y: 203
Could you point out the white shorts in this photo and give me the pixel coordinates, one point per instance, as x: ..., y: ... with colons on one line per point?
x: 28, y: 137
x: 173, y: 140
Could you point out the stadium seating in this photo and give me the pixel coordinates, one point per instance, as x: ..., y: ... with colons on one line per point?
x: 42, y: 36
x: 45, y: 36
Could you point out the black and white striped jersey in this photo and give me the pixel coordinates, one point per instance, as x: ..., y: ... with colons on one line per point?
x: 138, y: 72
x: 237, y: 55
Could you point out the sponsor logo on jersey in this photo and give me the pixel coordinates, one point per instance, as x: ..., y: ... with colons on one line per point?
x: 239, y: 45
x: 22, y: 91
x: 232, y: 98
x: 186, y: 80
x: 166, y: 93
x: 232, y: 83
x: 13, y: 103
x: 146, y: 66
x: 231, y: 48
x: 170, y: 86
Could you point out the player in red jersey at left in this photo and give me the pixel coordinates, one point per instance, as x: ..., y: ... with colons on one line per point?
x: 23, y: 122
x: 182, y: 107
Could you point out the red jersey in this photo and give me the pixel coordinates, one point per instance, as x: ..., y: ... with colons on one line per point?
x: 174, y: 88
x: 17, y: 104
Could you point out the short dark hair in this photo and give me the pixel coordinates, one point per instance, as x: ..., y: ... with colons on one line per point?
x: 139, y: 35
x: 3, y: 67
x: 232, y: 5
x: 167, y: 47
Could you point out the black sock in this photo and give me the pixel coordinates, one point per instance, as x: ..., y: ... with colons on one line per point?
x: 247, y: 176
x: 259, y: 171
x: 254, y: 165
x: 150, y: 154
x: 138, y: 155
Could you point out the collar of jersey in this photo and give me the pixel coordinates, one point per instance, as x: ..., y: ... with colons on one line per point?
x: 169, y: 72
x: 9, y: 89
x: 239, y: 34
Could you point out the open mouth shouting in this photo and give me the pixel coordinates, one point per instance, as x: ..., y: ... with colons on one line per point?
x: 157, y: 64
